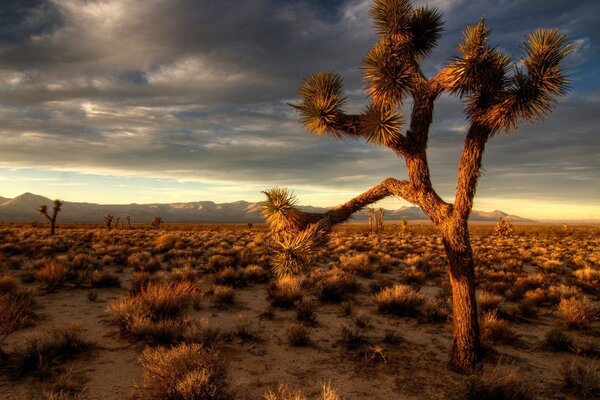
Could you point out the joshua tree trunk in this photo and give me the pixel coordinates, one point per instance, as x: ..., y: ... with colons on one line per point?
x: 466, y: 348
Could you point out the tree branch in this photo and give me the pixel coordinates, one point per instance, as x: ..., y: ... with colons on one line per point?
x: 469, y: 169
x: 340, y: 214
x: 353, y: 126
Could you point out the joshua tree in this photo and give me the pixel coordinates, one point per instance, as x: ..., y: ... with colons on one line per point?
x: 403, y: 226
x: 117, y: 223
x: 155, y: 223
x: 108, y: 219
x: 379, y: 219
x: 128, y: 218
x: 497, y: 92
x: 55, y: 210
x: 503, y: 226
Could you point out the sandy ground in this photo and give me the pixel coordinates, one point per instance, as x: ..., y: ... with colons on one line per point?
x: 414, y: 368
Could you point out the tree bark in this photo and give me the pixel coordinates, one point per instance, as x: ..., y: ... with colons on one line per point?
x: 466, y: 351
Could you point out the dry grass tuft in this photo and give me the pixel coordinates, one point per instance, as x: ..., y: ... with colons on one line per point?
x: 357, y: 264
x: 16, y: 306
x: 284, y: 392
x: 400, y: 300
x: 53, y: 274
x: 577, y: 313
x: 38, y: 355
x: 223, y: 296
x: 499, y: 383
x: 335, y: 285
x: 297, y: 334
x: 495, y: 329
x: 184, y: 372
x: 285, y: 291
x: 156, y: 312
x: 582, y: 378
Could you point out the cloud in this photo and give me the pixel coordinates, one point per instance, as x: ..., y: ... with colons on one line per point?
x: 197, y: 91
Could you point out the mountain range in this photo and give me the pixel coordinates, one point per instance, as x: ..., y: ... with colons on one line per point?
x: 24, y: 208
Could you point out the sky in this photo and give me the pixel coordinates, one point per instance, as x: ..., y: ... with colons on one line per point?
x: 122, y: 101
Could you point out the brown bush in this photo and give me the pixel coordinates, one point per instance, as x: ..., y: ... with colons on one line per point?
x: 285, y: 291
x: 499, y: 383
x: 577, y: 313
x: 186, y: 372
x: 582, y: 377
x: 53, y: 274
x: 399, y: 300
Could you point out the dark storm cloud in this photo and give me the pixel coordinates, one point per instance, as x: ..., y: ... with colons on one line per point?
x: 197, y: 90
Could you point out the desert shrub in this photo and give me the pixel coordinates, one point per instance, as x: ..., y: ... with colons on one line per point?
x: 167, y: 301
x: 165, y: 242
x: 256, y: 273
x: 297, y: 334
x: 399, y: 300
x: 499, y: 384
x: 38, y: 355
x: 186, y: 273
x: 245, y: 331
x: 352, y: 338
x: 335, y: 285
x: 487, y: 301
x: 305, y: 311
x: 494, y: 329
x: 283, y: 392
x: 143, y: 261
x: 16, y: 306
x: 418, y: 263
x: 202, y: 333
x: 361, y: 320
x: 9, y: 284
x: 577, y: 313
x: 380, y: 284
x: 558, y: 292
x: 559, y: 340
x: 102, y: 279
x: 184, y: 372
x: 413, y: 276
x: 582, y: 378
x: 357, y: 264
x: 587, y: 277
x: 222, y: 295
x: 156, y: 312
x: 217, y: 262
x: 231, y: 277
x: 140, y: 279
x: 53, y: 274
x: 285, y: 291
x: 435, y: 310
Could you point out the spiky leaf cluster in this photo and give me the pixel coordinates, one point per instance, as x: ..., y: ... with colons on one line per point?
x: 388, y: 77
x: 280, y: 209
x: 535, y: 92
x: 295, y: 250
x: 57, y: 205
x: 425, y: 30
x: 43, y: 210
x: 481, y: 70
x: 391, y: 17
x: 383, y: 125
x: 321, y: 101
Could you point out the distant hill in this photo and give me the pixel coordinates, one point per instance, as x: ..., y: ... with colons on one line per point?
x: 24, y: 209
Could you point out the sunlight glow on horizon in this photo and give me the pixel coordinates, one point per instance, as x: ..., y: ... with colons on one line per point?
x: 109, y: 189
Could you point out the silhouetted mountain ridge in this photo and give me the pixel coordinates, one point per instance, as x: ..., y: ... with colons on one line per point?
x: 24, y: 208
